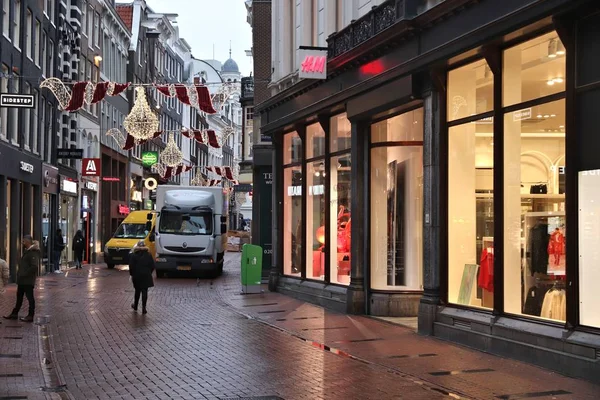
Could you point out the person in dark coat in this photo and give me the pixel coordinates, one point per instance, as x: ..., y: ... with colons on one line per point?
x: 59, y: 246
x: 78, y: 248
x: 141, y: 266
x: 28, y: 269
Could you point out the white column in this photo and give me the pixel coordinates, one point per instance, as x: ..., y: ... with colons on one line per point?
x: 512, y: 185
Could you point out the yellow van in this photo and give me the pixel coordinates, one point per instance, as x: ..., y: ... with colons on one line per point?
x: 133, y: 229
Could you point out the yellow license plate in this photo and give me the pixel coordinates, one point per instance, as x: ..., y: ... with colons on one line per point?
x: 184, y: 268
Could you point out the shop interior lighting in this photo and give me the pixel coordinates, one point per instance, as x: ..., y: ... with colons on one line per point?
x: 552, y: 48
x: 560, y: 49
x: 540, y: 116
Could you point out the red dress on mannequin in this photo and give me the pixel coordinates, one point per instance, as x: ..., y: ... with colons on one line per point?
x: 556, y: 246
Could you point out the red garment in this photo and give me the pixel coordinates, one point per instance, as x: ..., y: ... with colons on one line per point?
x: 486, y: 269
x: 556, y: 246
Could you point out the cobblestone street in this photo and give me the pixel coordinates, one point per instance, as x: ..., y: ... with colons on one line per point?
x: 202, y: 339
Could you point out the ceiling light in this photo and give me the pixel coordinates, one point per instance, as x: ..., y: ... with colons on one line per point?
x: 559, y: 80
x: 553, y: 115
x: 561, y: 127
x: 550, y: 82
x: 560, y: 49
x: 317, y: 173
x: 546, y: 116
x: 539, y: 115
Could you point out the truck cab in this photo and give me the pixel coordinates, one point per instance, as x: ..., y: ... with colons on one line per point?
x: 135, y: 227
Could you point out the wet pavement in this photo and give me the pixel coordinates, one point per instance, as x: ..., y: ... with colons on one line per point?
x: 203, y: 339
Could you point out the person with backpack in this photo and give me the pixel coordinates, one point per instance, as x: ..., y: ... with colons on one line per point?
x: 78, y: 248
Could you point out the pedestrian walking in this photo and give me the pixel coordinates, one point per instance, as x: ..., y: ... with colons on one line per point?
x: 78, y: 248
x: 59, y: 246
x: 28, y: 268
x: 141, y: 266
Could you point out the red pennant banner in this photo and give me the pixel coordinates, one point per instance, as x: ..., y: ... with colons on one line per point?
x: 212, y: 139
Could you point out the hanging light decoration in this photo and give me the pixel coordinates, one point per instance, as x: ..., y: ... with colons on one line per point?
x: 171, y: 156
x: 198, y: 180
x: 141, y: 123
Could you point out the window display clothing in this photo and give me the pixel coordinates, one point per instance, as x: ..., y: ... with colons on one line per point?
x: 534, y: 301
x: 486, y: 269
x: 538, y: 248
x: 555, y: 305
x: 556, y: 246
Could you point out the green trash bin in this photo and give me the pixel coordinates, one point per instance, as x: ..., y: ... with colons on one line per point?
x: 251, y: 268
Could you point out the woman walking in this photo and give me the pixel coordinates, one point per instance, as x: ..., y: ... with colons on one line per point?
x: 141, y: 266
x: 78, y: 248
x: 59, y: 246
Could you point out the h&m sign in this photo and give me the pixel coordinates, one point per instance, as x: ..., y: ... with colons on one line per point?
x: 313, y: 63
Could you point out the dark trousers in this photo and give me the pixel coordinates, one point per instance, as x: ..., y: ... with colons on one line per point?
x: 25, y: 290
x: 78, y: 258
x: 144, y: 293
x: 57, y: 254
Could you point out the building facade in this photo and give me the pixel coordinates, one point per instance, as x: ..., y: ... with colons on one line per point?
x: 28, y: 47
x: 427, y: 176
x: 259, y: 18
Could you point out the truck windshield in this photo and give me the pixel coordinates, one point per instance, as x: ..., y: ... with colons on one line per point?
x: 183, y: 223
x: 131, y: 231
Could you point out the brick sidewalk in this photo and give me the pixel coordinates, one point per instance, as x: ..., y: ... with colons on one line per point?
x: 202, y: 339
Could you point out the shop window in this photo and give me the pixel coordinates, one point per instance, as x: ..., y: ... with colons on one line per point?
x: 470, y: 90
x: 341, y: 219
x: 397, y: 203
x: 292, y: 148
x: 341, y: 130
x: 471, y: 214
x: 407, y: 127
x: 534, y: 212
x: 534, y: 69
x: 315, y: 141
x: 534, y: 180
x: 589, y: 251
x: 315, y: 220
x: 292, y: 221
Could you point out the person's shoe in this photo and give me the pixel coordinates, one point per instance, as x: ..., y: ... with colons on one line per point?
x: 144, y: 311
x: 134, y: 307
x: 11, y: 316
x: 28, y: 318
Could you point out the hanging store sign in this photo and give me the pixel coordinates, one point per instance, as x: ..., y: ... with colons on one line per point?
x: 91, y: 167
x: 91, y: 186
x: 68, y: 186
x: 26, y: 167
x: 242, y: 188
x: 522, y: 115
x: 149, y: 158
x: 69, y: 154
x: 9, y: 100
x: 136, y: 195
x: 111, y: 179
x: 123, y: 209
x: 313, y: 63
x: 150, y: 183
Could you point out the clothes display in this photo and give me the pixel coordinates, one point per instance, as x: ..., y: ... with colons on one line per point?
x: 541, y: 188
x: 534, y: 301
x: 555, y: 305
x: 556, y: 246
x: 538, y: 248
x: 486, y: 269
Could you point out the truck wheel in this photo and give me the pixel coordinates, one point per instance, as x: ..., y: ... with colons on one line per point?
x: 160, y: 274
x: 110, y: 266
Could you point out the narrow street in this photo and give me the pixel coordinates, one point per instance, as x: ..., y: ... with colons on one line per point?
x: 202, y: 339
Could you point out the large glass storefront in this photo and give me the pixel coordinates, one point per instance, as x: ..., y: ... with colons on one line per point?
x: 533, y: 203
x: 316, y: 202
x: 396, y: 173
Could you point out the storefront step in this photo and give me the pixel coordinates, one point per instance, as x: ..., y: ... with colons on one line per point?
x: 328, y: 296
x: 573, y: 354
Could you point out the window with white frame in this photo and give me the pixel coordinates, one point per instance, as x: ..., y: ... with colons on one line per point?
x: 4, y: 110
x: 50, y: 50
x: 34, y: 131
x: 17, y: 24
x: 6, y: 18
x: 84, y: 17
x: 90, y: 25
x: 28, y: 34
x: 27, y: 120
x: 37, y: 40
x: 14, y: 112
x: 96, y: 29
x: 51, y: 9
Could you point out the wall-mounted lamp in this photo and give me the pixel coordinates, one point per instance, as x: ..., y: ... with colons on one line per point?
x: 97, y: 60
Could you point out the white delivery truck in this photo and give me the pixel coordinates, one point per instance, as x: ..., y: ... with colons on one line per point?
x: 191, y: 229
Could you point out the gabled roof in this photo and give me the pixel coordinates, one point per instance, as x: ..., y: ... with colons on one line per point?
x: 126, y: 13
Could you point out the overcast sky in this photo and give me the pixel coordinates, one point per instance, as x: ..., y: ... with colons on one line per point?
x: 204, y: 23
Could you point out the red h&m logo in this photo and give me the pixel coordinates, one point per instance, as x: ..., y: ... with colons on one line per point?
x: 313, y: 64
